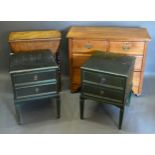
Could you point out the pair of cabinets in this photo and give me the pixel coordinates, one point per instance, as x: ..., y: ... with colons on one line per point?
x: 83, y: 41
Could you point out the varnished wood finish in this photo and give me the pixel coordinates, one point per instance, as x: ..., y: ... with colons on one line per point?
x: 83, y: 41
x: 34, y: 40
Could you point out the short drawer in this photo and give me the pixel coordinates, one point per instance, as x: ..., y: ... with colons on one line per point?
x: 102, y: 92
x: 21, y: 78
x: 88, y: 45
x: 35, y: 90
x: 103, y: 79
x: 127, y: 47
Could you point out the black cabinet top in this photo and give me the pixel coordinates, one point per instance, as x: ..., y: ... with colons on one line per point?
x: 32, y: 61
x: 108, y: 62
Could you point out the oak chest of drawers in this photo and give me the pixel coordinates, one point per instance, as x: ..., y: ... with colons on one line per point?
x: 107, y: 78
x: 34, y: 77
x: 83, y: 41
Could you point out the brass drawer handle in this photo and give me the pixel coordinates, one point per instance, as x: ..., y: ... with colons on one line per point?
x: 35, y: 77
x: 126, y: 47
x: 101, y: 92
x: 88, y: 46
x: 36, y: 90
x: 103, y: 80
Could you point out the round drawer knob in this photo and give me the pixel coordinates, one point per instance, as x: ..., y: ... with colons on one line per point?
x: 35, y: 77
x: 36, y: 90
x: 103, y: 80
x: 101, y: 92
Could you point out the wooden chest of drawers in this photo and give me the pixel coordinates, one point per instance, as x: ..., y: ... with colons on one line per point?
x: 107, y: 78
x: 34, y: 77
x: 83, y: 41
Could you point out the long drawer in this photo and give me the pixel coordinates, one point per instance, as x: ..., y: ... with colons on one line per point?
x: 79, y: 59
x: 22, y: 78
x: 35, y: 90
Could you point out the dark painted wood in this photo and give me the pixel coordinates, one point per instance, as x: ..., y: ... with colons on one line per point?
x: 34, y: 77
x: 107, y: 78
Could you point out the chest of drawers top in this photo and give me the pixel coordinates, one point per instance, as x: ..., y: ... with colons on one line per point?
x: 109, y: 33
x: 26, y: 41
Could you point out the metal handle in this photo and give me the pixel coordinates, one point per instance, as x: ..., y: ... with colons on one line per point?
x: 103, y: 80
x: 35, y: 77
x: 88, y: 46
x: 126, y: 47
x: 101, y: 92
x: 36, y: 90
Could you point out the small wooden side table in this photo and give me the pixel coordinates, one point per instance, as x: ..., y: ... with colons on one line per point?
x: 107, y: 78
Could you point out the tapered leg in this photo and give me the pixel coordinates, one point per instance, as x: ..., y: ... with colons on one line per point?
x: 58, y: 106
x: 58, y: 61
x: 121, y: 117
x: 81, y: 108
x: 18, y: 117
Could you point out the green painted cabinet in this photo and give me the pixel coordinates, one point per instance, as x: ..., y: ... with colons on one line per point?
x: 34, y: 76
x: 107, y: 78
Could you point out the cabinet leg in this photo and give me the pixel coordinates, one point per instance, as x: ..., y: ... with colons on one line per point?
x: 121, y: 117
x: 81, y: 108
x: 58, y: 61
x: 18, y: 115
x: 58, y: 106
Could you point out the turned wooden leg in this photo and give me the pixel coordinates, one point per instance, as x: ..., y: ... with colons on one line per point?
x: 121, y: 117
x: 18, y: 114
x: 81, y: 108
x: 58, y: 106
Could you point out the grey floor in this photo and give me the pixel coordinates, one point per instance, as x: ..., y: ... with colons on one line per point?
x: 41, y: 118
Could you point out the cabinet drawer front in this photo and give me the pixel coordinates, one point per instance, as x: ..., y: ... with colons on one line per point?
x: 33, y: 91
x: 88, y: 45
x: 101, y: 92
x: 80, y: 59
x: 138, y: 63
x: 136, y: 78
x: 33, y: 77
x: 103, y: 79
x: 127, y: 47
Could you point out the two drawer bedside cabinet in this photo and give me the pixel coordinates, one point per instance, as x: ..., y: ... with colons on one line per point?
x: 107, y: 78
x: 34, y: 76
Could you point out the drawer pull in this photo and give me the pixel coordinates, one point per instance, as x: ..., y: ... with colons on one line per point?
x: 88, y: 46
x: 35, y: 77
x: 126, y: 47
x: 103, y: 80
x: 36, y: 90
x: 101, y: 92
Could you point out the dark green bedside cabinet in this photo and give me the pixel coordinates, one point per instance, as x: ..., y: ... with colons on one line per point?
x: 34, y: 76
x: 107, y: 78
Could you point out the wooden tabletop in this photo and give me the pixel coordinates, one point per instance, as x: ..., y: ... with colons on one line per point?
x: 34, y: 35
x: 109, y: 33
